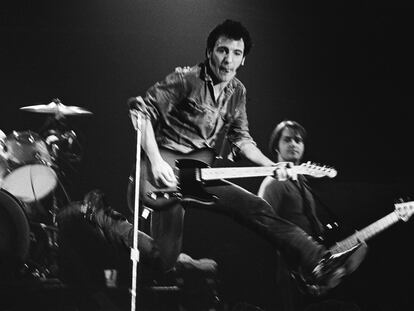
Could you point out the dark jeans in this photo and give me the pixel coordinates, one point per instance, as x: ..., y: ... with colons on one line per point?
x: 105, y: 236
x: 297, y: 247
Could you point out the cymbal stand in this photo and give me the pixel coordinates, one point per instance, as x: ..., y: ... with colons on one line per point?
x: 54, y: 140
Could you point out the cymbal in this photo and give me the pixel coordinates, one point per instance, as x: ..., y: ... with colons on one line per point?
x: 56, y: 108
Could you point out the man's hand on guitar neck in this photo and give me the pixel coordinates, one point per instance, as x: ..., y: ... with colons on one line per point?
x: 284, y: 172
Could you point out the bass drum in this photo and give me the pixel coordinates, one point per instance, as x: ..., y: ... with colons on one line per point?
x: 14, y: 235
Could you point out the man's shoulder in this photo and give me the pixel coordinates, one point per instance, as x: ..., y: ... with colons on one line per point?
x: 190, y: 76
x: 237, y: 84
x: 268, y: 185
x: 269, y: 180
x: 188, y: 70
x: 183, y: 75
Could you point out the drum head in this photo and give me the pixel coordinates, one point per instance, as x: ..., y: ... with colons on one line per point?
x: 14, y: 228
x: 30, y: 183
x: 26, y: 148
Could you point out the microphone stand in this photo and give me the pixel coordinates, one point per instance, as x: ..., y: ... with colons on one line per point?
x: 134, y: 249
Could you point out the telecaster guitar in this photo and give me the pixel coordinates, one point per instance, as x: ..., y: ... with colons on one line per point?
x: 193, y: 171
x: 403, y: 211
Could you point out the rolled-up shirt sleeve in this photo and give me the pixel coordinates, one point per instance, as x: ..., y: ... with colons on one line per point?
x: 163, y: 95
x: 238, y: 132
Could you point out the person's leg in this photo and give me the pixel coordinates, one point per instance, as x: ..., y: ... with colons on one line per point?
x: 250, y: 210
x: 316, y: 270
x: 161, y: 250
x: 83, y: 256
x: 116, y: 229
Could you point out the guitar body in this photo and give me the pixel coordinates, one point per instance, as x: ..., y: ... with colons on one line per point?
x: 355, y: 249
x: 185, y: 167
x: 166, y: 220
x: 349, y: 263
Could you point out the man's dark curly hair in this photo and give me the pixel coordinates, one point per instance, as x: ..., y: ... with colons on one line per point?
x: 232, y: 30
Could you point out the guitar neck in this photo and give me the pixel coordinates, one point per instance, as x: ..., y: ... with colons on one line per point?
x: 235, y: 172
x: 365, y: 233
x: 260, y: 171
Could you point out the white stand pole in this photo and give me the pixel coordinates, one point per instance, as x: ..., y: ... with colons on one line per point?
x: 134, y: 249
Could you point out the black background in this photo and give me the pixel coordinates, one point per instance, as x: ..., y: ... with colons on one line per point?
x: 343, y: 70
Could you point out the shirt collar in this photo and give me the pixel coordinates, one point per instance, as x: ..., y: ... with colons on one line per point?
x: 205, y: 72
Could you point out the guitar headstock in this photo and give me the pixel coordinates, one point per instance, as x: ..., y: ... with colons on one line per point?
x: 315, y: 170
x: 404, y: 210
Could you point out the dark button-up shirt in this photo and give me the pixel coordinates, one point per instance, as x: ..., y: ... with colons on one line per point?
x: 186, y: 116
x: 293, y: 200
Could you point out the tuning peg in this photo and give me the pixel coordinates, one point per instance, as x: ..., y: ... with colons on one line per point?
x: 400, y: 200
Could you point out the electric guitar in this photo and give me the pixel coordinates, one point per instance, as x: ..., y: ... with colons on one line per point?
x: 193, y: 172
x: 352, y: 245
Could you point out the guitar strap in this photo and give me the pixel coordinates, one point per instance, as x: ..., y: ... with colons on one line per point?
x: 222, y: 143
x: 329, y: 213
x: 307, y: 206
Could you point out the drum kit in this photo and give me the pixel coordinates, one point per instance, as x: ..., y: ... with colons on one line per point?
x: 29, y: 179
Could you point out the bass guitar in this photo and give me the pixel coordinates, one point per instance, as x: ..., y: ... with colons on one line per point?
x: 352, y: 245
x: 193, y: 172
